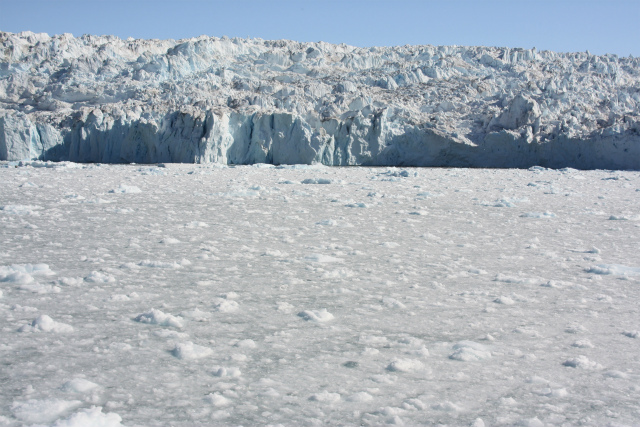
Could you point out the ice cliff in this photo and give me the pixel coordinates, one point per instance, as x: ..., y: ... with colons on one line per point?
x: 240, y: 101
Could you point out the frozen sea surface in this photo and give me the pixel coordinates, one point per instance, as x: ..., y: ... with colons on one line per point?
x: 204, y: 295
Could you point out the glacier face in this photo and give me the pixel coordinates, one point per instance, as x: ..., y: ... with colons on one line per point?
x: 242, y: 101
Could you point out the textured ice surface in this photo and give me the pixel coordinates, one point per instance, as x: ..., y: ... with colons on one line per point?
x: 192, y: 303
x: 243, y: 101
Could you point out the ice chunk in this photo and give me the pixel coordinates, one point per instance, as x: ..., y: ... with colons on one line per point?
x: 216, y: 399
x: 23, y: 273
x: 325, y: 396
x: 316, y: 181
x: 468, y: 351
x: 98, y: 277
x: 20, y: 209
x: 43, y: 411
x: 581, y: 362
x: 320, y: 258
x: 91, y: 417
x: 126, y: 189
x: 44, y: 323
x: 191, y: 351
x: 615, y: 269
x: 405, y: 365
x: 79, y: 385
x: 538, y: 215
x: 224, y: 305
x: 319, y: 316
x: 157, y: 317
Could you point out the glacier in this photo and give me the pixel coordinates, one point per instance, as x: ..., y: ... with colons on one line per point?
x: 102, y: 99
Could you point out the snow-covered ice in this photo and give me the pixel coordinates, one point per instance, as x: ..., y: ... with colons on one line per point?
x: 192, y: 303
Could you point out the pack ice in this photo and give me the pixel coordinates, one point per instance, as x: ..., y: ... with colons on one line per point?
x: 244, y: 101
x: 309, y: 295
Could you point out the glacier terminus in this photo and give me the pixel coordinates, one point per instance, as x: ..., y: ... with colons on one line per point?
x: 246, y: 101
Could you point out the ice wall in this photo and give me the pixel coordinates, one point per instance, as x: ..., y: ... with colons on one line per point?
x: 233, y: 101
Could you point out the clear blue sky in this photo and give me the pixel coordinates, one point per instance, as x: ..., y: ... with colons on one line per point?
x: 611, y: 26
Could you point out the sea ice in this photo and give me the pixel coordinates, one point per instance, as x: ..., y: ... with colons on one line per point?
x: 400, y: 321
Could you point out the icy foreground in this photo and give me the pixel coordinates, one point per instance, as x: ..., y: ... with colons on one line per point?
x: 235, y: 101
x: 199, y: 295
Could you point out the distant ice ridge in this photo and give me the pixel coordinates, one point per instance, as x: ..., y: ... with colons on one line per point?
x: 244, y: 101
